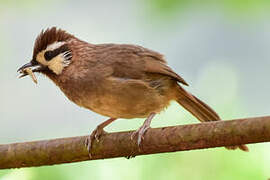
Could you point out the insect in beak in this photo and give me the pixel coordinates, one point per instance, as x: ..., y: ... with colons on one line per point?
x: 29, y: 69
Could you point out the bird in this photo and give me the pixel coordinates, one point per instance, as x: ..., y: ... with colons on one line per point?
x: 114, y: 80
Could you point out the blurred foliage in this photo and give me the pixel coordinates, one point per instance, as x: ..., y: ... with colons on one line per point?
x: 168, y: 8
x: 228, y: 104
x: 17, y: 3
x: 247, y: 5
x: 22, y: 4
x: 22, y: 174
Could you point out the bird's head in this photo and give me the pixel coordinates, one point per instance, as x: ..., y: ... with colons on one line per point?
x: 51, y: 52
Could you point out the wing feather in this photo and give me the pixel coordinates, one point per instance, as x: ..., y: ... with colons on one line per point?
x: 154, y: 66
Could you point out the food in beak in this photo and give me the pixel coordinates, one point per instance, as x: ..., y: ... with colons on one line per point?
x: 28, y: 71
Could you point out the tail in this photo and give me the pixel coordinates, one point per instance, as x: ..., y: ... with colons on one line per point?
x: 200, y: 110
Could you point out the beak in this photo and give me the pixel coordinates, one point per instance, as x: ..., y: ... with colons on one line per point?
x: 32, y: 64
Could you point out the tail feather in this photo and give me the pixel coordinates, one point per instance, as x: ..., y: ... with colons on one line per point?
x: 200, y: 110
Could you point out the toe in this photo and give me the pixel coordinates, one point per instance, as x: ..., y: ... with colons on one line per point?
x: 140, y: 133
x: 99, y: 133
x: 133, y: 135
x: 88, y: 144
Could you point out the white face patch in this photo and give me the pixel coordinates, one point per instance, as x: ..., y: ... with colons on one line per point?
x: 58, y: 62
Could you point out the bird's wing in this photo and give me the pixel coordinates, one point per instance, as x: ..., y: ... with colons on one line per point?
x: 130, y: 61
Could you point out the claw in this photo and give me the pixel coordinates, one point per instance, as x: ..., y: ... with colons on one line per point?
x: 142, y: 130
x: 95, y: 135
x: 131, y: 156
x: 140, y: 133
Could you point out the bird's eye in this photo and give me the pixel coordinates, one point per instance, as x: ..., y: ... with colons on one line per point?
x: 49, y: 55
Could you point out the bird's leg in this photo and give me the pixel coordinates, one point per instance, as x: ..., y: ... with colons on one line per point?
x: 95, y: 135
x: 141, y: 131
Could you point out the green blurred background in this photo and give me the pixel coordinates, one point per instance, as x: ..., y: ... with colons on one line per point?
x: 219, y: 47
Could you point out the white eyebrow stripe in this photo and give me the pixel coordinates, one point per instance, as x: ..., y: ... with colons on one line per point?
x: 55, y: 45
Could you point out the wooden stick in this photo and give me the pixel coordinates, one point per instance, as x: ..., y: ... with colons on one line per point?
x: 158, y: 140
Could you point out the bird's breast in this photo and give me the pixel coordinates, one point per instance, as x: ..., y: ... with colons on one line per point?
x: 117, y: 97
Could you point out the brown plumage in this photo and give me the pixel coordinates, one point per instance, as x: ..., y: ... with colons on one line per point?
x: 114, y: 80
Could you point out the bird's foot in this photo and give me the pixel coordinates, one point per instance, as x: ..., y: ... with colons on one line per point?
x: 140, y: 134
x: 95, y: 135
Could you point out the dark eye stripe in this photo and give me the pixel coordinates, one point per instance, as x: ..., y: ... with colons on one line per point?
x: 51, y: 54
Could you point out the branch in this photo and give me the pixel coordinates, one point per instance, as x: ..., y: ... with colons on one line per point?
x: 157, y: 140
